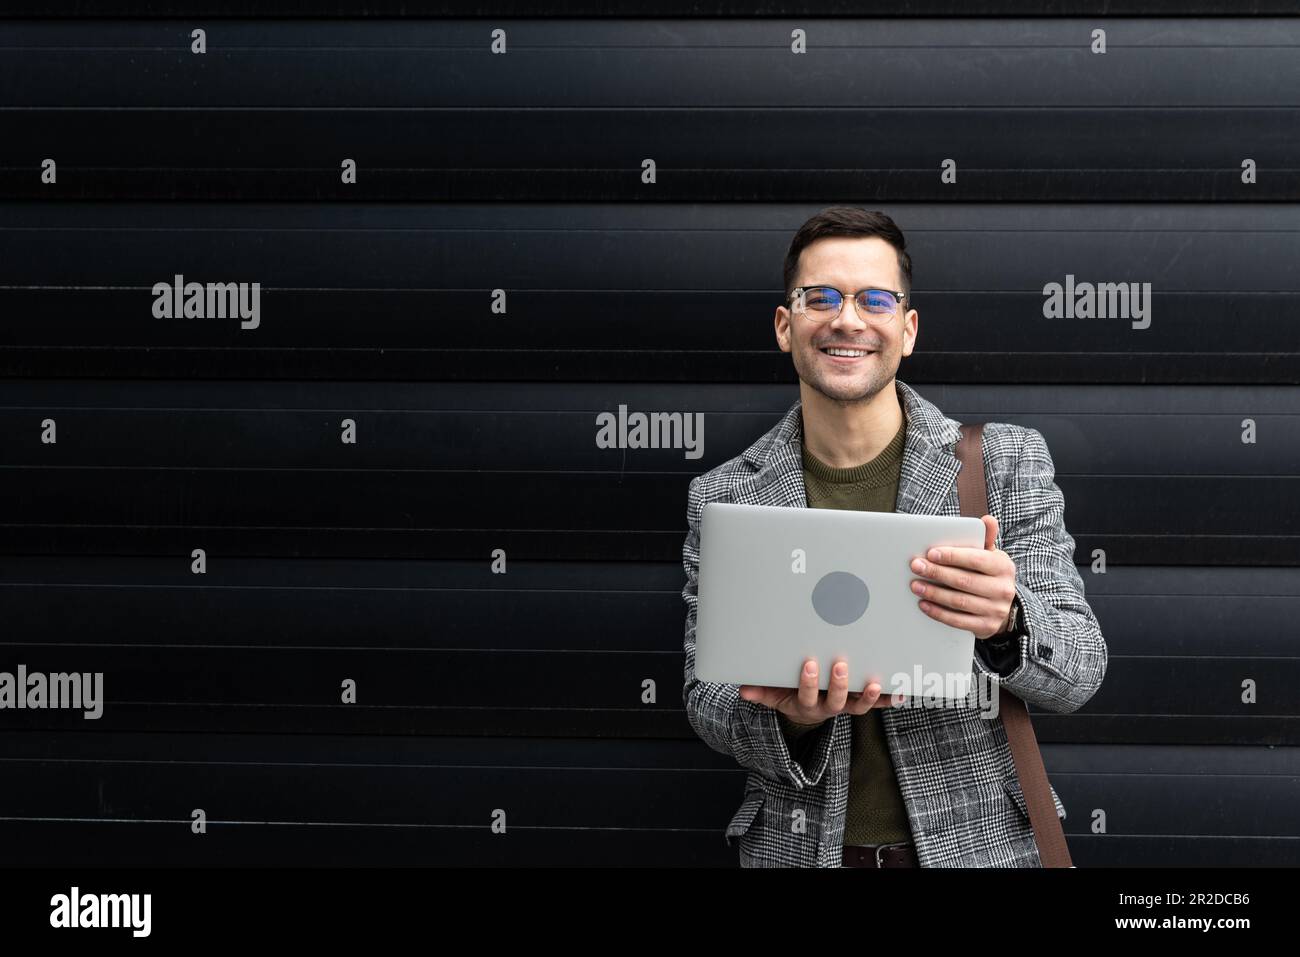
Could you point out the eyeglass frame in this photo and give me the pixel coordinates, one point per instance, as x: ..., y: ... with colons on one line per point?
x: 899, y: 295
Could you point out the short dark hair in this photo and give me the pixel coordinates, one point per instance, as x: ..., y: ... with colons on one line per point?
x: 848, y: 221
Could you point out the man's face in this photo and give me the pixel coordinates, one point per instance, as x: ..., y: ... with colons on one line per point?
x: 849, y: 263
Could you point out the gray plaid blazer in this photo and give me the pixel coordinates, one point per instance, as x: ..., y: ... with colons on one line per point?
x: 954, y: 766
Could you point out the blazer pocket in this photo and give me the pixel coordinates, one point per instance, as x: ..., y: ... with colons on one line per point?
x: 744, y: 817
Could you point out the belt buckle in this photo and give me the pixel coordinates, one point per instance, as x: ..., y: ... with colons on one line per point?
x: 881, y: 847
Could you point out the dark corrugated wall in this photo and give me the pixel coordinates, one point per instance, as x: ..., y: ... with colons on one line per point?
x: 370, y: 561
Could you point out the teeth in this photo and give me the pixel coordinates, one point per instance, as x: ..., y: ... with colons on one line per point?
x: 850, y: 353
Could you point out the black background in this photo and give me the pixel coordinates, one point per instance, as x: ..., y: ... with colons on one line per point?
x: 476, y: 431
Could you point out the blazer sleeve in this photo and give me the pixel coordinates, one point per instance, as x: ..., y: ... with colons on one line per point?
x: 1062, y: 652
x: 745, y: 730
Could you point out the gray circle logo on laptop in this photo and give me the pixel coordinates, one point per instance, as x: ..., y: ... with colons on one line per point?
x: 840, y: 598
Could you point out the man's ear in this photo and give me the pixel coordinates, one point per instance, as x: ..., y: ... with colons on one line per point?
x: 780, y: 323
x: 909, y: 342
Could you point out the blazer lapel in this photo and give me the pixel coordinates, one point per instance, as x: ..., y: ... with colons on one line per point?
x: 927, y: 480
x: 778, y: 456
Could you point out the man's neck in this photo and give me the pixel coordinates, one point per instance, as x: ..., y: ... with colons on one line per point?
x: 845, y: 436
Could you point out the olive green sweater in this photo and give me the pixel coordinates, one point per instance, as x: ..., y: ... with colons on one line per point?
x: 876, y: 813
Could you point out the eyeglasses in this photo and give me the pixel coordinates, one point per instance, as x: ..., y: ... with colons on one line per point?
x: 824, y: 303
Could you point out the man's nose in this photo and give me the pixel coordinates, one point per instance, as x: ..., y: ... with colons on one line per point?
x: 848, y: 314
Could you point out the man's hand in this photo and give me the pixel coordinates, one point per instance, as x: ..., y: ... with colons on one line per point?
x: 806, y: 704
x: 974, y: 587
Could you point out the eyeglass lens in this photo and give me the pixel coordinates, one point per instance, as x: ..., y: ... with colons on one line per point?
x: 823, y: 302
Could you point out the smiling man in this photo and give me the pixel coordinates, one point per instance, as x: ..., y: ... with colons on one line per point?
x: 844, y: 777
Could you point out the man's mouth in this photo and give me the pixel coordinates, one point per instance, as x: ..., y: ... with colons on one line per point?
x: 844, y: 354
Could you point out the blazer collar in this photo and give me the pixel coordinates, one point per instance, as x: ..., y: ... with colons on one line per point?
x: 928, y: 475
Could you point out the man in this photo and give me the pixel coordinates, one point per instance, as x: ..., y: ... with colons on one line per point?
x: 844, y: 777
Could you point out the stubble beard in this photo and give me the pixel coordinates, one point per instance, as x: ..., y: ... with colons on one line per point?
x: 844, y: 391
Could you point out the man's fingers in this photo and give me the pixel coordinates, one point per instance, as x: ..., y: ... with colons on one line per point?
x: 838, y: 691
x: 837, y: 696
x: 954, y: 559
x: 808, y: 681
x: 865, y: 700
x: 761, y: 694
x: 987, y: 601
x: 959, y: 620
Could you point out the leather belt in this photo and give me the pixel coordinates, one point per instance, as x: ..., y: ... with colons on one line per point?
x: 879, y: 855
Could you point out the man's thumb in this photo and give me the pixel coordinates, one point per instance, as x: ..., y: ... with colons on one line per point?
x: 990, y: 532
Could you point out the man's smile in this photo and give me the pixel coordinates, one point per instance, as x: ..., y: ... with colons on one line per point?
x: 846, y: 355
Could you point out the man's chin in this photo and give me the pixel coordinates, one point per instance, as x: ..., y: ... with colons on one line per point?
x: 844, y: 392
x: 861, y: 387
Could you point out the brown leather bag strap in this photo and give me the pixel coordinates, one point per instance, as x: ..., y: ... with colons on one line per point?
x: 1048, y: 834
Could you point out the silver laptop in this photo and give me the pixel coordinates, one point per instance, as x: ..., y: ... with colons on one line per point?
x: 778, y: 584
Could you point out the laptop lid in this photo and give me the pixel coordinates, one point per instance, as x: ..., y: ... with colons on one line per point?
x: 778, y: 584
